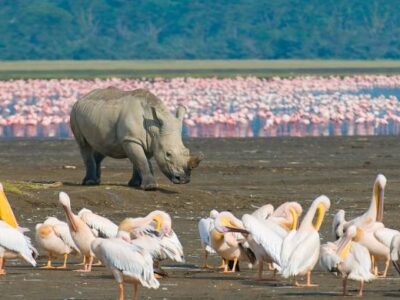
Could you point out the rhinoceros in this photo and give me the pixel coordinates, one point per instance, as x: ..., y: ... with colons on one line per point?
x: 135, y: 125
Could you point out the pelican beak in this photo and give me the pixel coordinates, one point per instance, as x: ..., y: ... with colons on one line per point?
x: 320, y: 214
x: 396, y: 265
x: 236, y: 229
x: 6, y: 213
x: 295, y: 219
x: 379, y: 203
x: 157, y: 220
x: 344, y: 247
x: 70, y: 218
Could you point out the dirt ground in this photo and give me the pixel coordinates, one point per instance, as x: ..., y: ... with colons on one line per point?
x: 236, y: 175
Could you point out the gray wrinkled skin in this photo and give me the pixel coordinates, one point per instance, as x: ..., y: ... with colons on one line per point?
x: 133, y: 124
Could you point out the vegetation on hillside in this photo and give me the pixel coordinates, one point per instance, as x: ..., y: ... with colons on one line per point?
x: 199, y: 29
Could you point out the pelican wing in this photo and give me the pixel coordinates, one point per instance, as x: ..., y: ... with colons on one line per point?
x: 328, y: 258
x: 13, y: 240
x: 362, y: 269
x: 205, y: 227
x: 265, y: 236
x: 385, y: 235
x: 172, y: 247
x: 128, y: 258
x: 299, y: 252
x: 62, y: 231
x: 104, y: 227
x: 338, y: 224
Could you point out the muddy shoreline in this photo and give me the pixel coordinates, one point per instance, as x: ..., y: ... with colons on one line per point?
x: 237, y: 174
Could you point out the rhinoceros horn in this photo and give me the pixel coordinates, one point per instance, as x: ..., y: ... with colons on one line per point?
x: 180, y: 112
x: 195, y: 160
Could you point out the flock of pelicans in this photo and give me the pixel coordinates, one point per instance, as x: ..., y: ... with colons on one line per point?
x: 133, y: 250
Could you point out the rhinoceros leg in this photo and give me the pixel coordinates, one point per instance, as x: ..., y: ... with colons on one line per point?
x: 142, y: 171
x: 98, y: 158
x: 90, y: 163
x: 136, y: 179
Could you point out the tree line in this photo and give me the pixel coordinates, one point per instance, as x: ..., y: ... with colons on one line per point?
x: 199, y: 29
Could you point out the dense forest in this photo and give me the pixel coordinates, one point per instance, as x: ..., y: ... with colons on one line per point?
x: 199, y: 29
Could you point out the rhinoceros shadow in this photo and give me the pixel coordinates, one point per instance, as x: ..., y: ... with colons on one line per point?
x: 158, y: 189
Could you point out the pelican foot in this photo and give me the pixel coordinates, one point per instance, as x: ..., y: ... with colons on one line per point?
x: 47, y: 267
x: 82, y: 271
x: 228, y: 272
x: 61, y: 267
x: 97, y: 264
x: 3, y: 272
x: 205, y: 266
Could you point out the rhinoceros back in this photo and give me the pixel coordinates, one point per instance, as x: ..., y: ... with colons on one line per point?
x: 104, y: 118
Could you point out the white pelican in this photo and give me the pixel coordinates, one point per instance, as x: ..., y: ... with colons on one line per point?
x: 284, y: 216
x: 14, y: 244
x: 54, y: 237
x: 373, y: 214
x: 128, y: 262
x: 266, y: 236
x: 395, y: 252
x: 205, y: 226
x: 101, y: 226
x: 156, y: 225
x: 300, y: 248
x: 226, y: 241
x: 80, y: 232
x: 373, y: 234
x: 349, y: 258
x: 263, y: 212
x: 375, y: 210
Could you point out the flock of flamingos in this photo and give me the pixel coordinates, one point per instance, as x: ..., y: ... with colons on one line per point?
x: 230, y: 107
x: 134, y: 249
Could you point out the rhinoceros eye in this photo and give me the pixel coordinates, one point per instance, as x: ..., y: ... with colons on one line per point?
x: 168, y: 154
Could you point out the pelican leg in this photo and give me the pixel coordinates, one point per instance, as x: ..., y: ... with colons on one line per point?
x: 48, y: 265
x: 373, y: 265
x: 64, y: 266
x: 225, y: 268
x: 271, y: 267
x: 222, y: 266
x: 308, y: 283
x: 360, y: 292
x: 88, y: 265
x: 98, y: 263
x: 121, y: 291
x: 134, y: 292
x: 345, y: 287
x: 205, y: 265
x: 2, y: 271
x: 294, y: 282
x: 387, y: 263
x: 260, y: 270
x: 83, y: 262
x: 235, y: 260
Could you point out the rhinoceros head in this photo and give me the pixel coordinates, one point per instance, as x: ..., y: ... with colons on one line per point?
x: 172, y: 157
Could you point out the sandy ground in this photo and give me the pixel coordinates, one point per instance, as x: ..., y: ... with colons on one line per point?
x: 236, y: 175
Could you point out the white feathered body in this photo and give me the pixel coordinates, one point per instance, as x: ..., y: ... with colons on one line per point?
x: 206, y: 225
x: 300, y: 252
x: 100, y: 226
x: 14, y: 244
x: 355, y: 266
x: 54, y: 237
x: 128, y: 262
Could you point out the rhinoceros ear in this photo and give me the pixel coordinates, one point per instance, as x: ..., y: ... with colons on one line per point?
x: 157, y: 116
x: 180, y: 112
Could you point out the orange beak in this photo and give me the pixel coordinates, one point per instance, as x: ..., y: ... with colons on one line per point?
x: 6, y: 213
